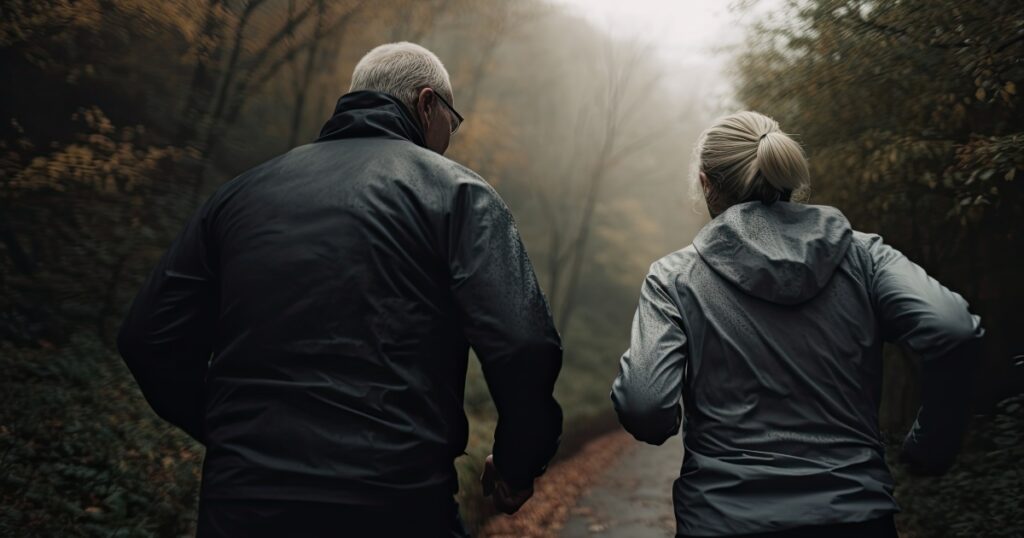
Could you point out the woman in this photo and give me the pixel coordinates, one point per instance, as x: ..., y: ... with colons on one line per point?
x: 769, y: 327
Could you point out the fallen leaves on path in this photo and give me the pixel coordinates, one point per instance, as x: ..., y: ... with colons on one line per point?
x: 556, y: 492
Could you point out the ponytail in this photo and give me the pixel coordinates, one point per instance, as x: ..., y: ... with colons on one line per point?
x: 781, y: 163
x: 746, y: 157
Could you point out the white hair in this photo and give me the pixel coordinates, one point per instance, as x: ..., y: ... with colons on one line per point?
x: 745, y: 157
x: 402, y: 70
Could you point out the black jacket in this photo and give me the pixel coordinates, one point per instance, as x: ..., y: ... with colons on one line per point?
x: 311, y: 323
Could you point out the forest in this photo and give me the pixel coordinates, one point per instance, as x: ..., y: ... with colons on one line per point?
x: 119, y: 117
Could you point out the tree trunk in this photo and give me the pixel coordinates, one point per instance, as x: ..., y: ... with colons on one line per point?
x: 203, y: 84
x: 307, y: 77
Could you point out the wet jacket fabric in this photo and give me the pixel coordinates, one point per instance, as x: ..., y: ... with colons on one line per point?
x: 769, y: 328
x: 311, y: 323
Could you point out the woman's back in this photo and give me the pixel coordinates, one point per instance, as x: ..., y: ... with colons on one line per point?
x: 770, y: 327
x: 783, y: 372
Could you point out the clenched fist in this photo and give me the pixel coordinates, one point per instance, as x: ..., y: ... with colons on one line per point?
x: 506, y: 500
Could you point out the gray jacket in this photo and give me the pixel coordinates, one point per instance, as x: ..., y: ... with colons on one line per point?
x: 770, y: 327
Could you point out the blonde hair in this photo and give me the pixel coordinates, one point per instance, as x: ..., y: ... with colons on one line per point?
x: 402, y: 70
x: 746, y: 157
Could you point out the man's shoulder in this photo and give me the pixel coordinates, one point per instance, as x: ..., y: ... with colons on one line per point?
x: 446, y: 168
x: 401, y: 164
x: 455, y: 179
x: 423, y: 162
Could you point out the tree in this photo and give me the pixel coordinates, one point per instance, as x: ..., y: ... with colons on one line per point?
x: 913, y: 123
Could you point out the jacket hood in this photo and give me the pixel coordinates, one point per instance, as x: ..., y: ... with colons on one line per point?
x: 784, y: 253
x: 367, y: 114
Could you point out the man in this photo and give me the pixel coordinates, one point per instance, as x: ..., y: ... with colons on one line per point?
x: 338, y: 288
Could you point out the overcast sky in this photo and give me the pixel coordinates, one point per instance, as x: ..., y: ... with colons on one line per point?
x: 688, y: 35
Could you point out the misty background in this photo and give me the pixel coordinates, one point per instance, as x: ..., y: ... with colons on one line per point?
x: 119, y: 117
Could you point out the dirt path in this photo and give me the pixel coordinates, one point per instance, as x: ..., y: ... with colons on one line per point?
x: 633, y: 498
x: 614, y: 487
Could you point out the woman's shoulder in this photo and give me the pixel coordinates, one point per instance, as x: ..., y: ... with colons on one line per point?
x: 667, y: 268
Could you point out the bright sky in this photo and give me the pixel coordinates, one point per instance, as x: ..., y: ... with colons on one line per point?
x: 687, y: 34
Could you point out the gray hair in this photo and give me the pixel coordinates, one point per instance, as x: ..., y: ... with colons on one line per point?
x: 745, y: 156
x: 402, y: 70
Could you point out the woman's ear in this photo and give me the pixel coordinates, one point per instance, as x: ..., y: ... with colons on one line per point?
x: 706, y: 186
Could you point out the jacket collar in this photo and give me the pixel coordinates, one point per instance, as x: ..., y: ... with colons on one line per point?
x: 367, y: 114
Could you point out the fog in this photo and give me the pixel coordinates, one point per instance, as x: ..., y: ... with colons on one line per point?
x: 118, y: 118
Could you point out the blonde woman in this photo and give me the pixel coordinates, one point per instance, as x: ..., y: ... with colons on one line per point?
x: 769, y: 329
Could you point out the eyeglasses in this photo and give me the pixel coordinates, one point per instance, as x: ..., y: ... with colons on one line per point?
x: 458, y: 117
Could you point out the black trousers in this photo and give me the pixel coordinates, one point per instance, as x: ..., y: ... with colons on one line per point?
x: 883, y: 527
x: 257, y: 518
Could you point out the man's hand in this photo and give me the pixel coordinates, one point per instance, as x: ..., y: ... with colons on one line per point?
x: 506, y: 500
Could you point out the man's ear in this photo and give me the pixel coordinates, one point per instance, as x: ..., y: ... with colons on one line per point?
x: 704, y: 181
x: 425, y: 103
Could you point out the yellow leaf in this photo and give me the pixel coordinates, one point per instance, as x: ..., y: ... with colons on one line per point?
x: 1010, y: 88
x: 980, y: 94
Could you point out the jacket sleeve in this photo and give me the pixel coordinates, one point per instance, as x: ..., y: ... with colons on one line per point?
x: 915, y: 310
x: 647, y: 392
x: 167, y: 338
x: 506, y: 320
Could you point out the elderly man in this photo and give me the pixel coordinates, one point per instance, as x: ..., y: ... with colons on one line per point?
x: 311, y: 326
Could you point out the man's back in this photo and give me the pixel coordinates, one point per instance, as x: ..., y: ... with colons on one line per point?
x: 352, y: 275
x: 339, y: 336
